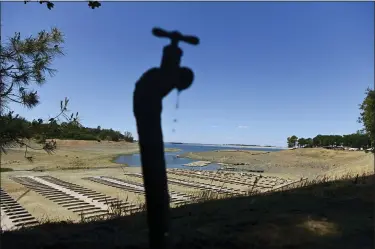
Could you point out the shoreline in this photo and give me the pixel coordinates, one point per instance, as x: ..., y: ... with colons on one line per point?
x: 233, y: 146
x: 74, y: 157
x: 299, y: 162
x: 129, y: 153
x: 77, y: 162
x: 86, y: 155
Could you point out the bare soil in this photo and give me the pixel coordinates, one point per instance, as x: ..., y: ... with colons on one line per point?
x: 308, y: 162
x: 333, y: 215
x: 70, y: 154
x: 74, y: 160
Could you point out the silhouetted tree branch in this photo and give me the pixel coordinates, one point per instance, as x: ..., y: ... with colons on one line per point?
x: 27, y: 62
x: 50, y: 5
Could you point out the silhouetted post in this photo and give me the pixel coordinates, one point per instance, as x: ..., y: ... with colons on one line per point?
x: 149, y: 92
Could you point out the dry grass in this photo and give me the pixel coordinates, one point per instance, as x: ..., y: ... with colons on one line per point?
x: 307, y: 162
x: 319, y: 213
x: 70, y: 154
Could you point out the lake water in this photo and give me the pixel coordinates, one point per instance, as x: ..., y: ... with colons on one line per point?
x: 173, y: 162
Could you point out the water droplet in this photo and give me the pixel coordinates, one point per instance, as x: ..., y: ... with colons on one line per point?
x: 177, y: 106
x: 178, y: 99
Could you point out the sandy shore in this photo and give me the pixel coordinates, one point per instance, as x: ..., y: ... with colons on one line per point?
x: 300, y: 162
x: 70, y: 154
x: 75, y: 160
x: 74, y: 155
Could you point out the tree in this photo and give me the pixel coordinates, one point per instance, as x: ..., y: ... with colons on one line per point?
x: 302, y: 142
x: 367, y: 115
x: 360, y: 139
x: 305, y: 142
x: 338, y: 140
x: 318, y: 141
x: 128, y: 137
x: 24, y: 63
x: 292, y: 141
x: 309, y: 142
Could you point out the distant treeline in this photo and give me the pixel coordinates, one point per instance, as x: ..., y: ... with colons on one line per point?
x: 355, y: 140
x: 41, y: 130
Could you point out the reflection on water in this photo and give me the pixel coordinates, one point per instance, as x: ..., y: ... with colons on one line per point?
x: 172, y: 161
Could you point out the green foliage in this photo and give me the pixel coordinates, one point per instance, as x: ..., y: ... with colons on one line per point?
x: 40, y: 130
x: 292, y: 141
x: 355, y: 140
x: 12, y: 129
x: 26, y: 62
x: 128, y: 137
x: 367, y: 115
x: 305, y: 142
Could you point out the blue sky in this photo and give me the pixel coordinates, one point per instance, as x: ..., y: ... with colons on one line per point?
x: 264, y: 71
